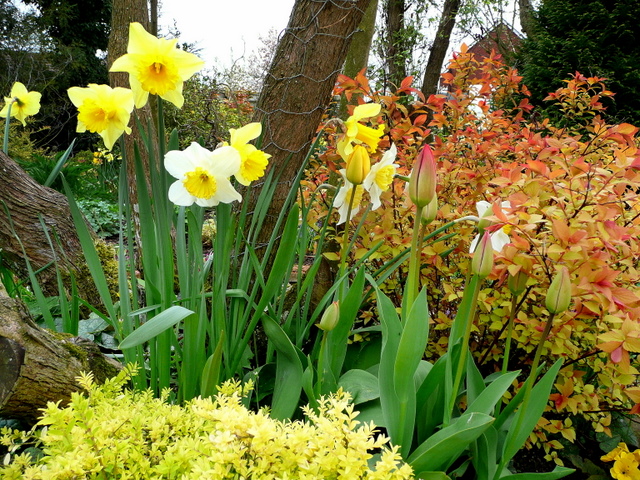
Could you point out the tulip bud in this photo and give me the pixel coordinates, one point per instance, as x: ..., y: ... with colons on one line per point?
x: 559, y: 293
x: 518, y: 283
x: 430, y: 212
x: 482, y: 262
x: 422, y: 184
x: 358, y: 165
x: 330, y: 317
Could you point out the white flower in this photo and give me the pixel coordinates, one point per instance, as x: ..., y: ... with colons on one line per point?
x: 380, y: 176
x: 203, y: 176
x: 343, y: 197
x: 499, y: 238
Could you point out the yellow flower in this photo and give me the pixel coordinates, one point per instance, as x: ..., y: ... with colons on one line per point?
x: 358, y: 165
x: 359, y: 133
x: 103, y: 110
x: 203, y: 176
x: 252, y: 161
x: 380, y: 176
x: 626, y: 468
x: 156, y: 66
x: 23, y: 103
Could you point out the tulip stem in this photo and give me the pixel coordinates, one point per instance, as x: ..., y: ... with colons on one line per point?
x: 5, y: 141
x: 345, y: 239
x: 413, y: 279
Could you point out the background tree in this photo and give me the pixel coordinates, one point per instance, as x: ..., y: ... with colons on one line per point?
x: 597, y: 38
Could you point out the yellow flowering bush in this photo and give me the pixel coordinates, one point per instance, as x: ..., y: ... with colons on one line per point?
x: 110, y: 432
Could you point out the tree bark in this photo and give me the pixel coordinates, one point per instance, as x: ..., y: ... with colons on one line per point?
x: 39, y: 366
x: 439, y: 48
x: 527, y: 18
x: 395, y: 43
x: 297, y: 89
x: 23, y: 204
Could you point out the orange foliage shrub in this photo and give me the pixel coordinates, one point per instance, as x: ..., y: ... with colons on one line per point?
x: 573, y: 194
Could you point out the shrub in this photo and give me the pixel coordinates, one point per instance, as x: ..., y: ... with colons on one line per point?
x: 109, y: 432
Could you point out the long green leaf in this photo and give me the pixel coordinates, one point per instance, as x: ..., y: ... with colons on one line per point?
x: 289, y: 373
x: 445, y: 446
x: 212, y: 369
x: 56, y: 170
x: 537, y: 403
x: 558, y: 472
x: 492, y: 394
x: 362, y: 385
x: 155, y: 326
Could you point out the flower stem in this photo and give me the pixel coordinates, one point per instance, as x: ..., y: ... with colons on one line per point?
x: 5, y: 142
x: 413, y: 279
x: 345, y: 239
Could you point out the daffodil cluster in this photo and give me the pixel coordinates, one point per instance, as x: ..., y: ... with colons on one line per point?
x: 155, y: 65
x: 355, y: 146
x: 112, y: 433
x: 626, y: 464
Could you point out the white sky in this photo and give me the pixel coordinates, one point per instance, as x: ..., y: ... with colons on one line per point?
x: 224, y: 29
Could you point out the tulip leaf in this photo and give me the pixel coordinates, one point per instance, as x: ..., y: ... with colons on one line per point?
x: 362, y: 385
x: 558, y: 472
x: 490, y: 396
x: 444, y: 447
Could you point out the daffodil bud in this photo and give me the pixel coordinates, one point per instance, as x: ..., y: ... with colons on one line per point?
x: 330, y: 317
x: 422, y: 183
x: 430, y: 212
x: 559, y: 293
x: 517, y: 283
x: 482, y: 262
x: 358, y: 165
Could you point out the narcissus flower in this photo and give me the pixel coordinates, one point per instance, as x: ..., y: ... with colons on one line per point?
x: 203, y: 176
x: 357, y: 133
x: 253, y: 162
x: 103, y: 110
x: 23, y: 103
x: 156, y: 66
x: 343, y: 197
x: 380, y: 176
x: 499, y: 238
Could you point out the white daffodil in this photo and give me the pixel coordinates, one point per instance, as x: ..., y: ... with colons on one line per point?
x: 203, y: 176
x: 380, y: 176
x: 343, y: 197
x: 499, y: 238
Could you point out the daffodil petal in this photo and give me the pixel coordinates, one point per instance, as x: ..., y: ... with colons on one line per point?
x: 366, y: 111
x: 179, y: 195
x: 499, y: 239
x: 245, y: 134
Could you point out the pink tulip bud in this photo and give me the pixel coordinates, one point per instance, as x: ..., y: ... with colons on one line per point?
x: 482, y: 262
x: 422, y: 184
x: 559, y: 293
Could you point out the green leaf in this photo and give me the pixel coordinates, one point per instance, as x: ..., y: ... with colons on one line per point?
x: 433, y: 476
x: 155, y: 326
x: 211, y: 370
x: 558, y: 472
x: 289, y: 373
x: 411, y: 347
x: 537, y: 403
x: 362, y: 385
x: 492, y: 394
x: 58, y: 167
x: 445, y: 446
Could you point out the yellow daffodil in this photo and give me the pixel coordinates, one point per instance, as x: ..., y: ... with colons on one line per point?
x: 358, y: 133
x: 103, y: 110
x: 253, y: 162
x: 203, y: 176
x: 23, y: 103
x: 156, y: 66
x: 380, y: 176
x: 343, y: 197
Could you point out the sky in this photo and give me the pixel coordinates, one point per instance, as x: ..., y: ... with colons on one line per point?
x: 224, y: 29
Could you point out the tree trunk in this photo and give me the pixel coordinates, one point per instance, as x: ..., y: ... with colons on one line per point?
x: 27, y: 202
x: 439, y: 48
x: 39, y: 366
x: 527, y: 18
x: 395, y: 41
x: 297, y: 89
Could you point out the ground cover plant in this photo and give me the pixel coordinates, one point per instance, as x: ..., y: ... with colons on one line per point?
x: 484, y: 284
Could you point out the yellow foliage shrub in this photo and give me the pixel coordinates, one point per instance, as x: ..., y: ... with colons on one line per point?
x: 110, y: 432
